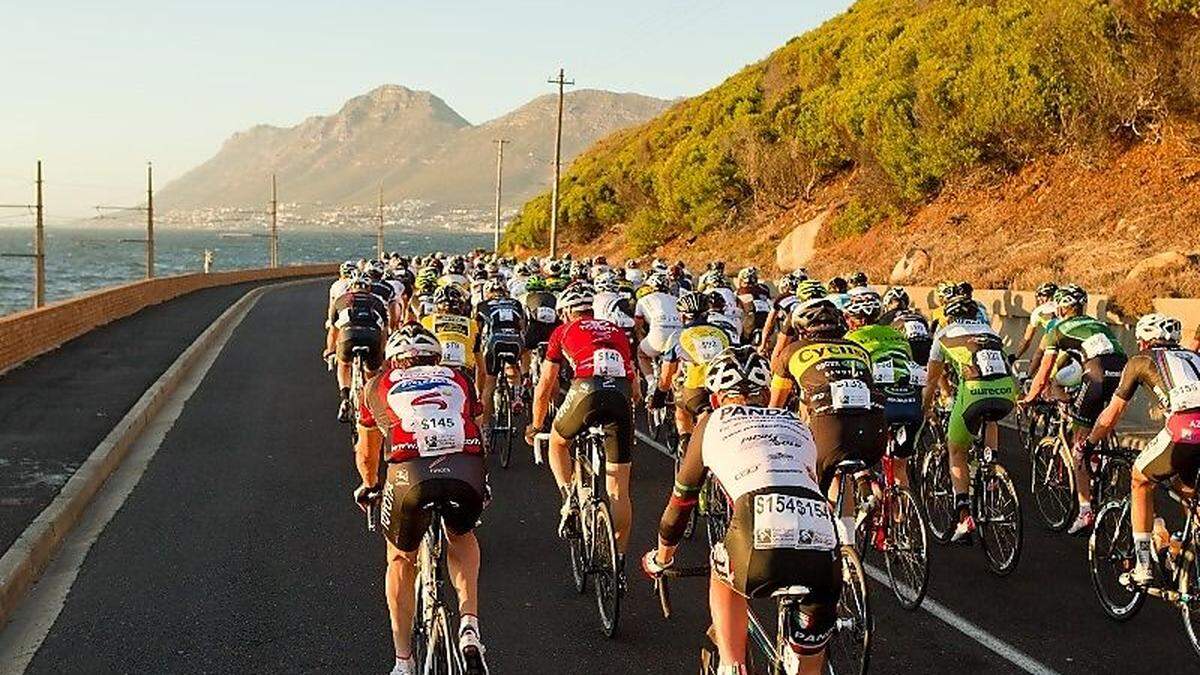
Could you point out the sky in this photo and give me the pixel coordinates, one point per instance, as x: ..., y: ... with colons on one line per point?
x: 98, y: 89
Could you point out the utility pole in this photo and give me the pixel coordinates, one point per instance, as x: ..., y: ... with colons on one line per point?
x: 273, y: 248
x: 39, y: 243
x: 561, y: 82
x: 379, y: 231
x: 149, y: 221
x: 499, y: 183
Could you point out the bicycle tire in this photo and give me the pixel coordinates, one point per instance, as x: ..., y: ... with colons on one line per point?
x: 504, y: 409
x: 997, y: 509
x: 606, y: 570
x: 906, y: 551
x: 850, y: 649
x: 580, y: 560
x: 1052, y: 484
x: 1112, y: 482
x: 1189, y: 587
x: 937, y: 496
x: 1110, y: 554
x: 442, y: 657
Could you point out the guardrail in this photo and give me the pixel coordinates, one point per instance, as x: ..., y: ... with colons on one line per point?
x: 27, y: 334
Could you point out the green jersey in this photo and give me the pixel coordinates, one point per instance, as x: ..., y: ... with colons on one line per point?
x: 891, y: 357
x: 1081, y: 338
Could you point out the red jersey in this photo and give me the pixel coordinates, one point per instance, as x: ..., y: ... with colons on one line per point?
x: 423, y: 411
x: 594, y: 348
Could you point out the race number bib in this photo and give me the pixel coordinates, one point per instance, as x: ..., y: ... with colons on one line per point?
x: 915, y: 329
x: 884, y: 372
x: 991, y: 362
x: 849, y: 394
x: 708, y: 347
x: 608, y: 363
x: 762, y: 305
x: 546, y: 315
x: 1185, y: 396
x: 454, y: 353
x: 917, y: 374
x: 1097, y: 345
x: 788, y: 521
x: 505, y: 314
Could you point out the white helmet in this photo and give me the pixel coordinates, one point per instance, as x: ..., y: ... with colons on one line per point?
x: 411, y: 341
x: 575, y: 297
x: 1158, y: 328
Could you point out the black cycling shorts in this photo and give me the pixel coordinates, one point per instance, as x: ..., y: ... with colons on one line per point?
x: 861, y: 436
x: 601, y: 401
x: 758, y: 572
x: 695, y: 401
x: 453, y: 482
x: 1101, y: 375
x: 903, y: 414
x: 354, y: 336
x: 497, y: 345
x: 536, y: 332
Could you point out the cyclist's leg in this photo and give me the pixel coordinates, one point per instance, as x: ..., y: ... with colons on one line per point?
x: 462, y: 503
x: 399, y: 581
x: 569, y: 421
x: 403, y: 525
x: 729, y: 620
x: 612, y: 407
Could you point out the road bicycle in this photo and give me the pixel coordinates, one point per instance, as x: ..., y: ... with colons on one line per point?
x: 593, y: 543
x: 358, y: 382
x: 503, y: 425
x: 995, y: 506
x: 1111, y: 560
x: 891, y: 522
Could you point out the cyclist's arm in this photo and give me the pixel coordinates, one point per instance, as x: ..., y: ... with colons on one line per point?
x: 1027, y: 340
x: 1194, y: 345
x: 684, y: 496
x: 768, y: 328
x: 933, y: 379
x: 669, y: 369
x: 547, y: 386
x: 1049, y: 357
x: 367, y: 451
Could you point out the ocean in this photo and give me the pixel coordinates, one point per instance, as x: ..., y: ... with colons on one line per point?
x: 80, y: 259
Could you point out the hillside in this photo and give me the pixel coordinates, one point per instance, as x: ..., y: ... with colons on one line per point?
x: 412, y: 141
x: 899, y: 108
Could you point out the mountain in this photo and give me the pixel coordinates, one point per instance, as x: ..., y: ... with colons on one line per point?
x: 931, y: 124
x: 412, y: 141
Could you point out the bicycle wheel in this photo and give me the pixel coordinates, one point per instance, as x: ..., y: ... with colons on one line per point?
x: 937, y: 495
x: 1111, y: 555
x: 997, y: 511
x: 1052, y: 484
x: 504, y: 421
x: 580, y: 559
x: 1189, y: 589
x: 607, y: 570
x: 716, y: 522
x: 441, y: 657
x: 850, y: 649
x: 905, y: 550
x: 420, y: 627
x: 1113, y: 481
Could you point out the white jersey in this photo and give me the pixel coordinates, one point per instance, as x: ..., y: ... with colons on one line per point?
x: 338, y: 288
x: 722, y: 321
x: 516, y: 288
x: 662, y: 318
x: 749, y: 448
x: 604, y: 306
x: 1042, y: 315
x: 634, y: 276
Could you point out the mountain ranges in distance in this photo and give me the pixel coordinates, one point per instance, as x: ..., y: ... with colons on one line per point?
x: 413, y: 143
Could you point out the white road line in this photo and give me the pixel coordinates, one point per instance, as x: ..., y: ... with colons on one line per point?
x: 31, y: 622
x: 991, y: 642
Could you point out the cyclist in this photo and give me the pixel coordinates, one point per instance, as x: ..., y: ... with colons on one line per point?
x: 1041, y: 318
x: 948, y: 290
x: 766, y: 461
x: 657, y: 320
x: 901, y: 315
x: 540, y: 315
x: 427, y: 414
x: 973, y: 353
x: 613, y: 304
x: 375, y: 271
x: 341, y: 284
x: 781, y: 308
x: 634, y: 274
x: 891, y: 365
x: 602, y: 388
x: 719, y: 317
x: 839, y: 292
x: 807, y: 292
x: 857, y: 280
x: 698, y: 343
x: 754, y: 299
x: 358, y: 318
x: 1087, y: 347
x: 457, y: 333
x: 1172, y: 373
x: 501, y: 322
x: 455, y: 273
x: 838, y: 398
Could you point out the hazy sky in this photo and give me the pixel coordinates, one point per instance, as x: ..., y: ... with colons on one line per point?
x: 98, y: 88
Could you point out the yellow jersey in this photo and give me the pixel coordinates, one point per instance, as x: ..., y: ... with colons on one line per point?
x: 695, y: 347
x: 457, y: 335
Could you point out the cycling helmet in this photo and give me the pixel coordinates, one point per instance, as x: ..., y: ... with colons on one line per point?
x: 448, y: 296
x: 838, y: 285
x: 800, y: 274
x: 858, y: 279
x: 747, y: 276
x: 692, y: 304
x: 819, y: 318
x: 575, y: 298
x: 608, y: 283
x: 375, y: 270
x: 535, y: 283
x: 810, y: 289
x: 945, y: 290
x: 865, y: 304
x: 961, y: 307
x: 347, y: 268
x: 1070, y: 295
x: 456, y: 265
x: 631, y: 264
x: 410, y: 341
x: 717, y: 266
x: 1159, y: 328
x: 896, y: 297
x: 1046, y: 290
x: 495, y: 287
x: 553, y: 268
x: 787, y: 284
x: 360, y: 282
x: 659, y: 282
x: 738, y: 369
x: 659, y: 266
x: 716, y: 300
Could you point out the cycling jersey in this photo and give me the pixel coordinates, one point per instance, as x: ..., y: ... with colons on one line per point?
x: 749, y: 448
x: 541, y: 317
x: 1092, y: 345
x: 459, y: 338
x: 695, y: 348
x: 358, y: 309
x: 613, y: 306
x: 423, y: 411
x: 516, y: 288
x: 916, y: 330
x: 722, y: 321
x: 937, y: 316
x: 891, y: 359
x: 385, y: 291
x: 1172, y: 374
x: 756, y: 299
x: 834, y: 376
x: 986, y: 390
x: 1081, y: 338
x: 501, y: 316
x: 459, y: 280
x: 593, y: 348
x: 338, y: 288
x: 662, y: 319
x: 1044, y: 316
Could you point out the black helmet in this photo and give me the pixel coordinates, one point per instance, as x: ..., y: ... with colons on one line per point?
x: 896, y: 297
x: 961, y: 307
x: 448, y: 297
x: 741, y: 369
x: 692, y: 304
x: 838, y: 285
x: 858, y: 279
x: 716, y: 300
x: 1046, y: 290
x: 819, y: 318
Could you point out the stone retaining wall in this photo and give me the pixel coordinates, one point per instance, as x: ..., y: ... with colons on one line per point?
x: 27, y: 334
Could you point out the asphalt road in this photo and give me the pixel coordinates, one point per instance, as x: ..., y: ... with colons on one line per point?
x: 240, y: 551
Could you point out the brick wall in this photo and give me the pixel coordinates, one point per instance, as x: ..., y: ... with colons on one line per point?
x: 27, y: 334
